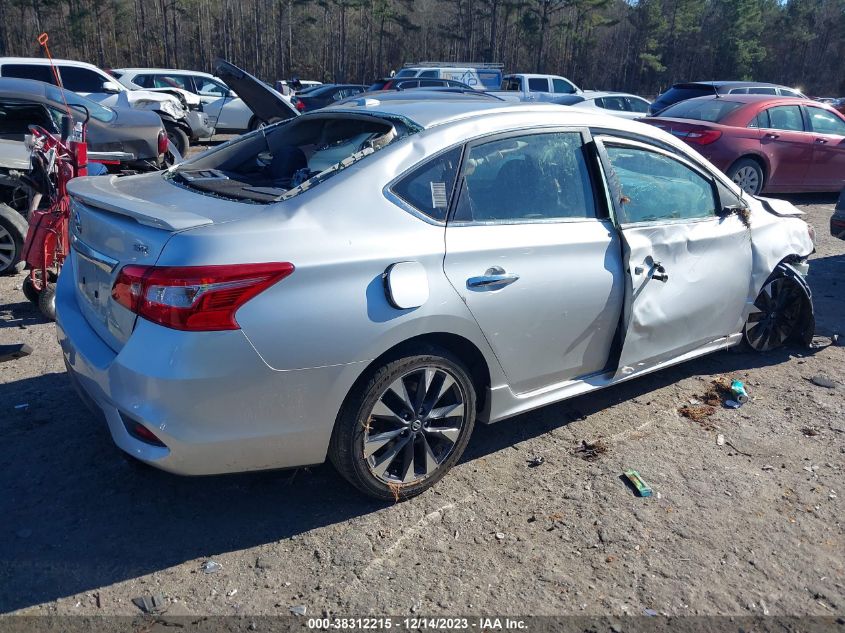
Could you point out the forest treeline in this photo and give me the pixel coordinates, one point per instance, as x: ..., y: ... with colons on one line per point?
x: 639, y: 46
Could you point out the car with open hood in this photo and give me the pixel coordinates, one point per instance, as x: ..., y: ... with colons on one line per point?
x: 364, y: 282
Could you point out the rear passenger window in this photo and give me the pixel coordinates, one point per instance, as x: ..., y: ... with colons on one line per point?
x: 145, y: 81
x: 613, y: 103
x: 636, y: 105
x: 526, y: 178
x: 173, y: 81
x: 762, y: 91
x: 428, y: 188
x: 656, y: 187
x: 786, y: 118
x: 26, y: 71
x: 538, y: 84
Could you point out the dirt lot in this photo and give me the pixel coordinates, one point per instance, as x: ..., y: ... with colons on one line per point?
x: 751, y: 526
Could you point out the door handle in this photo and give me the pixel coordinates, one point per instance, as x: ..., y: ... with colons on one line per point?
x: 493, y: 279
x: 659, y: 273
x: 772, y: 135
x: 821, y: 140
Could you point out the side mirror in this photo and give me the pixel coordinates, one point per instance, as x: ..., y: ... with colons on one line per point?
x: 111, y: 87
x: 729, y: 209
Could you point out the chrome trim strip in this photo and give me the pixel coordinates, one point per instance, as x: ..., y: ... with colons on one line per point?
x: 111, y: 156
x: 103, y: 262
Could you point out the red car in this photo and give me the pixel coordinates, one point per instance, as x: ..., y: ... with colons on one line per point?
x: 763, y: 143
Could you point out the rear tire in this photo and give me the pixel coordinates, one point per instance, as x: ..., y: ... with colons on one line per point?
x: 47, y: 301
x: 747, y: 174
x: 13, y: 229
x: 403, y: 428
x: 177, y: 136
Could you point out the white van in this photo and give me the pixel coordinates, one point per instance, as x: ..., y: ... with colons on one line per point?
x: 478, y: 76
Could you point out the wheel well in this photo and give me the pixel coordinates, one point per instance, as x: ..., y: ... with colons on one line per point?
x: 458, y: 345
x: 756, y: 159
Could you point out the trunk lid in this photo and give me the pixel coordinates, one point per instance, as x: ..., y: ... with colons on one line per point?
x: 119, y: 221
x: 267, y: 104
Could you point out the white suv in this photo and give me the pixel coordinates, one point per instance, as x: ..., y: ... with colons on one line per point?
x: 227, y: 112
x: 96, y: 84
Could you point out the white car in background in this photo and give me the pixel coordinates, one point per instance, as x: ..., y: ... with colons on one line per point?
x: 619, y: 104
x: 227, y: 112
x: 89, y: 81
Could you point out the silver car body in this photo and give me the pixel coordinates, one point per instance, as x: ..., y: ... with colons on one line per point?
x: 267, y: 395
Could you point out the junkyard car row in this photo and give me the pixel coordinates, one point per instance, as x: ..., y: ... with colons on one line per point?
x: 366, y: 281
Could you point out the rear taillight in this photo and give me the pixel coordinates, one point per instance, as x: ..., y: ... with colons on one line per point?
x: 299, y: 105
x: 702, y: 137
x: 162, y: 142
x: 195, y: 298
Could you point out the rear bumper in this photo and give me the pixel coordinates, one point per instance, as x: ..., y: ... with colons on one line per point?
x: 208, y: 396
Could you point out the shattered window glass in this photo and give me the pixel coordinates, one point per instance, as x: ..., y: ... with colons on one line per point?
x: 656, y: 187
x: 288, y: 158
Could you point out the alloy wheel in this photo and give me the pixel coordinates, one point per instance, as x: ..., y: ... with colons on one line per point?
x: 747, y: 179
x: 414, y: 426
x: 776, y: 315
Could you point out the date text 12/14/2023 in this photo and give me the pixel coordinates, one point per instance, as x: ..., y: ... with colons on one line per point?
x: 417, y: 624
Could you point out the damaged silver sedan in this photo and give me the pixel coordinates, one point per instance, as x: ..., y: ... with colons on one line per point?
x: 366, y: 282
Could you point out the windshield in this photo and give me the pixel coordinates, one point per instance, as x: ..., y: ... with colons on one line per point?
x: 712, y: 110
x: 79, y: 103
x: 283, y: 160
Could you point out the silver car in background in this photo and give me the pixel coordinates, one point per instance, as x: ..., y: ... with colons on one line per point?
x: 366, y: 281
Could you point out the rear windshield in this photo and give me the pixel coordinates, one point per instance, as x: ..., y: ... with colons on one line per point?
x: 285, y: 159
x: 680, y: 93
x: 712, y: 110
x: 80, y: 103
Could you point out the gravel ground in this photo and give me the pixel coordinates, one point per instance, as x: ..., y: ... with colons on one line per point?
x: 753, y: 526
